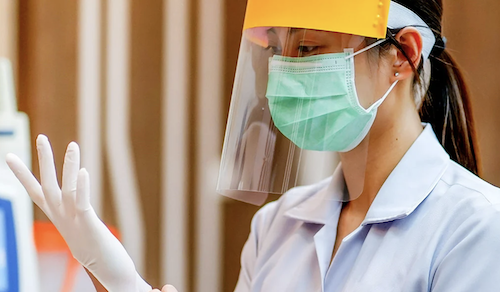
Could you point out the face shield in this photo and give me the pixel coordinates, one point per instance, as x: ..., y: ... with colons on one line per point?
x: 300, y: 96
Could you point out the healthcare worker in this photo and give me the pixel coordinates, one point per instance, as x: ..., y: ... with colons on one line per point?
x: 369, y: 82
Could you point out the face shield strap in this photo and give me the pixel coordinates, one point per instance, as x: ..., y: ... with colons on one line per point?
x: 401, y: 17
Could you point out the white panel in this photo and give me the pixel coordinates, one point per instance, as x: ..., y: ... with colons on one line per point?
x: 209, y: 120
x: 175, y: 143
x: 89, y: 95
x: 8, y: 102
x: 118, y: 145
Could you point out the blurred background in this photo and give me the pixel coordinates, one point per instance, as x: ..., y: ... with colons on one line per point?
x: 144, y: 86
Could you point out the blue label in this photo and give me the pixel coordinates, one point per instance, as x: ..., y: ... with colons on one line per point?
x: 9, y: 267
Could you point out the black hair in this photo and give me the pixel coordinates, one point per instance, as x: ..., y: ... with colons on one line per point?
x: 447, y: 103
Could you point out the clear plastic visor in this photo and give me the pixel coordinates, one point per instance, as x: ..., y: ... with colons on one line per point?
x: 300, y: 42
x: 278, y: 123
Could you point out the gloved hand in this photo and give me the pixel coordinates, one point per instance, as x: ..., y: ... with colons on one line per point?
x: 69, y: 209
x: 167, y: 288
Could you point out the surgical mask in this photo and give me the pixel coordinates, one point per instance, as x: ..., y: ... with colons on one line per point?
x: 314, y: 103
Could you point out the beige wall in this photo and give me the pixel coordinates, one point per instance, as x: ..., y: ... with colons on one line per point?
x: 8, y: 30
x: 47, y: 57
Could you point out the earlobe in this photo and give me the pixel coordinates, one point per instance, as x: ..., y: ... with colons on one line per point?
x: 396, y: 77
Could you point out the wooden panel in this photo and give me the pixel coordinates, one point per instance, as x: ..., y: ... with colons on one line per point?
x: 235, y: 14
x: 237, y: 218
x: 193, y: 144
x: 236, y: 215
x: 146, y: 90
x: 471, y: 28
x: 47, y: 74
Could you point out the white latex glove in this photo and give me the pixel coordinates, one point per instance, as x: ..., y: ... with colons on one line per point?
x: 168, y: 288
x: 69, y: 209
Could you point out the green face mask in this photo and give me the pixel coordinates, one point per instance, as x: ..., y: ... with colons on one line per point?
x: 313, y: 101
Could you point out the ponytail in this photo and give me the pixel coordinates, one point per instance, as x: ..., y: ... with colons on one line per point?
x: 447, y: 103
x: 447, y: 108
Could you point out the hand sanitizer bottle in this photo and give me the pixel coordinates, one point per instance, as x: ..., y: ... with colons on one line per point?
x: 18, y: 258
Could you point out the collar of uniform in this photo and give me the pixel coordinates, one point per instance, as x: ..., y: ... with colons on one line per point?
x: 411, y: 181
x: 407, y: 186
x: 323, y: 202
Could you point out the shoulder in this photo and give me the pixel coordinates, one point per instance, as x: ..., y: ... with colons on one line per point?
x: 471, y: 206
x: 472, y: 245
x: 464, y: 197
x: 462, y: 184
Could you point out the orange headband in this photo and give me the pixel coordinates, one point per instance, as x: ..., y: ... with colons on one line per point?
x: 359, y: 17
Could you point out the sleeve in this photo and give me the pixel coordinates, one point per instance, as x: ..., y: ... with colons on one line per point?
x: 251, y: 247
x: 471, y: 260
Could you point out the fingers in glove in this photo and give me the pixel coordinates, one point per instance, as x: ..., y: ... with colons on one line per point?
x: 83, y: 191
x: 48, y: 174
x: 168, y: 288
x: 27, y: 179
x: 70, y: 175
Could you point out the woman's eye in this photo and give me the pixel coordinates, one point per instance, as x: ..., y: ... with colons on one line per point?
x: 275, y: 49
x: 307, y: 49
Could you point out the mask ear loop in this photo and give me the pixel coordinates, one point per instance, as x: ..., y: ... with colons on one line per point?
x: 380, y: 101
x: 377, y: 43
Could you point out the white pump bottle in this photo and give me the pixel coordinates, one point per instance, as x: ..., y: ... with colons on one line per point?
x: 18, y: 258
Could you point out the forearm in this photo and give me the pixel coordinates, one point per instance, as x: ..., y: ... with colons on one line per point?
x: 98, y: 286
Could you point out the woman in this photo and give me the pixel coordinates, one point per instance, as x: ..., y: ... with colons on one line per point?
x: 404, y: 211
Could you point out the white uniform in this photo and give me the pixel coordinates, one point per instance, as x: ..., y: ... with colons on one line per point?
x: 433, y: 226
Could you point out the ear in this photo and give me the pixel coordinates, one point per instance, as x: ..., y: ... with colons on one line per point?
x: 411, y: 42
